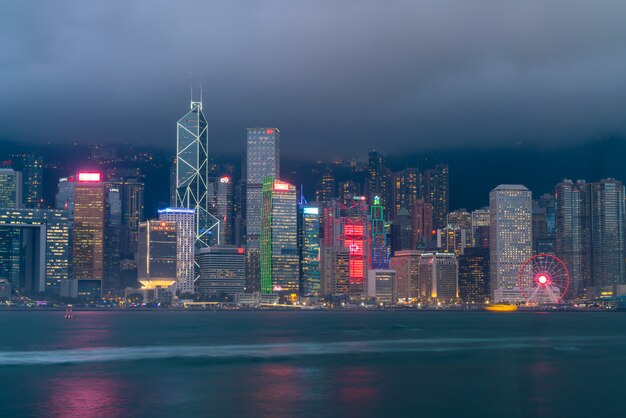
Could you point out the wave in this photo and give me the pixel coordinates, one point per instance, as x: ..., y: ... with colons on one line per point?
x: 287, y: 350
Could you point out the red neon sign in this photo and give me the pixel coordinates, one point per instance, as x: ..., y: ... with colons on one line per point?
x: 269, y: 131
x: 281, y: 186
x: 353, y: 230
x: 239, y: 250
x: 89, y: 176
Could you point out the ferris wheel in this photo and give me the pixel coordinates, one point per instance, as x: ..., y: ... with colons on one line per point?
x: 543, y: 279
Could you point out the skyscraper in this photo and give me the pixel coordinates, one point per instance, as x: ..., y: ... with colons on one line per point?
x: 347, y: 190
x: 64, y: 198
x: 156, y: 256
x: 192, y: 174
x: 407, y: 188
x: 326, y: 189
x: 355, y: 236
x: 33, y: 181
x: 185, y: 249
x: 436, y: 192
x: 422, y: 223
x: 34, y: 249
x: 310, y: 250
x: 572, y: 233
x: 262, y: 160
x: 379, y: 181
x: 406, y: 265
x: 380, y: 249
x: 480, y: 228
x: 224, y: 208
x: 461, y: 219
x: 606, y: 218
x: 474, y: 275
x: 89, y: 224
x: 222, y: 271
x: 335, y: 270
x: 438, y: 278
x: 590, y: 236
x: 279, y: 238
x: 401, y: 231
x: 10, y: 188
x: 510, y: 209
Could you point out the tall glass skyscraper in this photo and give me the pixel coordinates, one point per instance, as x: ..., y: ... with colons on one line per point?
x: 89, y: 226
x: 310, y: 250
x: 262, y: 160
x: 10, y: 188
x: 185, y: 249
x: 33, y: 181
x: 436, y: 192
x: 192, y: 174
x: 34, y: 249
x: 279, y: 238
x: 510, y: 208
x: 572, y: 232
x: 606, y: 218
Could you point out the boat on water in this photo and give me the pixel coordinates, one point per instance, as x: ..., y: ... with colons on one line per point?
x: 68, y: 312
x: 500, y: 307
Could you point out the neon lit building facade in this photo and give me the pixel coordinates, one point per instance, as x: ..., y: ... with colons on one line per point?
x: 380, y: 249
x: 192, y: 174
x: 355, y: 237
x: 279, y: 238
x: 89, y: 225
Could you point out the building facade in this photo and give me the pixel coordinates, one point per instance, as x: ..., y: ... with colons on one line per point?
x: 222, y: 272
x: 279, y: 238
x: 34, y: 249
x: 192, y: 174
x: 510, y: 208
x: 262, y: 160
x: 185, y: 248
x: 89, y: 225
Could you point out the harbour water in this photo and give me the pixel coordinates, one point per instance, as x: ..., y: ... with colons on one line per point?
x: 312, y: 364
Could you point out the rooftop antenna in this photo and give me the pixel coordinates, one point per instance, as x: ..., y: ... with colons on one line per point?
x: 201, y: 85
x: 303, y: 201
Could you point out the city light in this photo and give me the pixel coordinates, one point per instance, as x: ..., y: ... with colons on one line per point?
x: 90, y: 177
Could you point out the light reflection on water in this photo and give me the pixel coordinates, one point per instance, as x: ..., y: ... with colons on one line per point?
x: 270, y: 365
x: 83, y: 394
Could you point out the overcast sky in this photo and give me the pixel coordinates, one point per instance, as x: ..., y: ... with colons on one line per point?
x: 351, y: 75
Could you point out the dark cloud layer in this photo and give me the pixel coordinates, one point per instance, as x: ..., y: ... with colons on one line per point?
x: 395, y: 75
